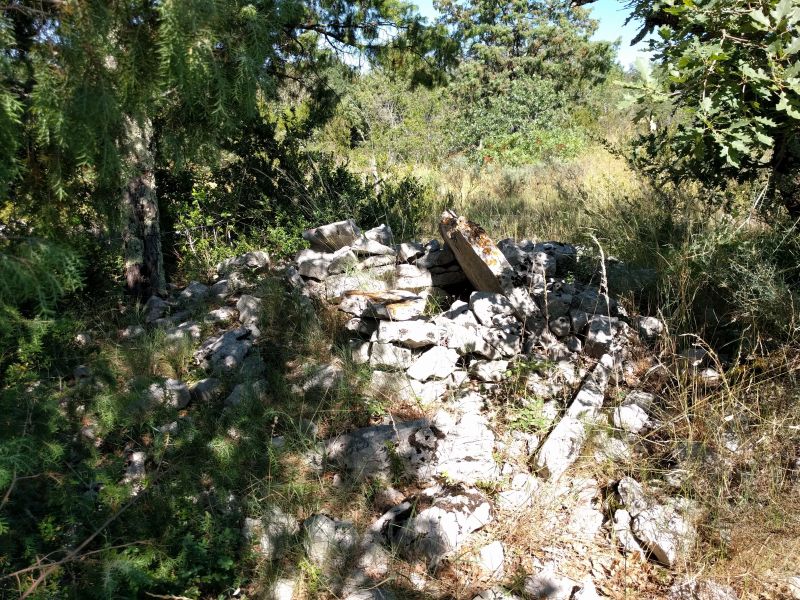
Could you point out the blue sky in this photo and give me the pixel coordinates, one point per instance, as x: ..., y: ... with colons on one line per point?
x: 610, y: 13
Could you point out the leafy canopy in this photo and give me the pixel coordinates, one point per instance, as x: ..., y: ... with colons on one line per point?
x: 731, y: 79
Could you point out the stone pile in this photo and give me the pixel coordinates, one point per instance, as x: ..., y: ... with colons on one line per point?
x: 443, y: 325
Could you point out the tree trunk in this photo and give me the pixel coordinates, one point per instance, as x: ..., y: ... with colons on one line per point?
x: 787, y: 184
x: 144, y: 261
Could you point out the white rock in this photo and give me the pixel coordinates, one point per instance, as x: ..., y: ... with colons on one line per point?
x: 283, y: 589
x: 412, y: 334
x: 390, y: 357
x: 381, y: 234
x: 624, y: 535
x: 342, y: 260
x: 485, y: 370
x: 631, y: 418
x: 663, y: 531
x: 359, y: 351
x: 333, y: 236
x: 520, y: 493
x: 444, y: 526
x: 703, y: 589
x: 222, y: 316
x: 249, y: 308
x: 364, y: 246
x: 549, y: 585
x: 409, y: 251
x: 602, y: 331
x: 491, y: 558
x: 154, y: 309
x: 194, y: 292
x: 650, y: 328
x: 793, y: 583
x: 487, y: 306
x: 393, y: 305
x: 328, y: 542
x: 313, y: 264
x: 257, y: 390
x: 171, y: 392
x: 496, y: 593
x: 136, y: 469
x: 641, y: 399
x: 274, y: 531
x: 587, y: 592
x: 436, y: 363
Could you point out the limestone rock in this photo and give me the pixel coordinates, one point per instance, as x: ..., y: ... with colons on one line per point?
x: 381, y: 234
x: 366, y: 247
x: 665, y: 532
x: 602, y: 331
x: 702, y: 589
x: 249, y: 308
x: 563, y: 446
x: 258, y: 390
x: 409, y: 251
x: 225, y: 352
x: 549, y: 585
x: 519, y: 494
x: 623, y: 533
x: 327, y: 542
x: 390, y: 357
x: 486, y: 267
x: 395, y: 305
x: 314, y: 264
x: 155, y: 308
x: 488, y: 371
x: 193, y: 293
x: 274, y: 532
x: 649, y: 328
x: 412, y: 334
x: 490, y: 308
x: 321, y: 380
x: 331, y: 237
x: 171, y: 392
x: 491, y: 559
x: 344, y: 259
x: 631, y: 418
x: 496, y: 593
x: 135, y: 470
x: 187, y: 331
x: 220, y: 316
x: 441, y: 524
x: 436, y: 363
x: 256, y: 261
x: 206, y: 390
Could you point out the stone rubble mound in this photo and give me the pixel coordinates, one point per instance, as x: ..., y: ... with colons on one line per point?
x: 446, y: 327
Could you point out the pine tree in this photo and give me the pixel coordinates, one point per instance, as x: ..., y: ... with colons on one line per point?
x: 96, y: 90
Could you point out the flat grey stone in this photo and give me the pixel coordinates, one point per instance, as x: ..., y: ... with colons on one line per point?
x: 381, y: 234
x: 412, y: 334
x: 390, y: 357
x: 436, y: 363
x: 331, y: 237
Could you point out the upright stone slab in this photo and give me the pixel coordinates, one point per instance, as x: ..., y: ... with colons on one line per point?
x: 485, y: 266
x: 563, y: 446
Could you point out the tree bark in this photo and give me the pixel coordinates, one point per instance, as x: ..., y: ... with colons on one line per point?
x: 787, y: 184
x: 144, y: 261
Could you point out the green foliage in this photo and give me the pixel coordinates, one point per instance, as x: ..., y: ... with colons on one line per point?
x: 730, y: 75
x: 34, y: 276
x: 526, y: 121
x: 546, y: 38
